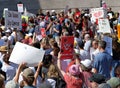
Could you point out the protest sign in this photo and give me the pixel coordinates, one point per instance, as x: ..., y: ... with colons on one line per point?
x: 5, y: 9
x: 12, y: 19
x: 2, y: 42
x: 104, y: 26
x: 98, y: 13
x: 43, y: 32
x: 20, y: 7
x: 25, y: 53
x: 108, y: 40
x: 67, y: 45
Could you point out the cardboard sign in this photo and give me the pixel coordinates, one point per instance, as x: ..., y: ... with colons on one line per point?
x: 98, y: 13
x: 20, y: 7
x: 67, y: 46
x: 108, y: 40
x: 104, y: 26
x: 25, y: 53
x: 12, y: 19
x: 43, y: 32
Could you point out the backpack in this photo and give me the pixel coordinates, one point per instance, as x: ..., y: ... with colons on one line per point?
x: 60, y: 83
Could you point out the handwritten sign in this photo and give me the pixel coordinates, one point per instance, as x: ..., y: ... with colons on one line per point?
x: 43, y: 32
x: 108, y: 40
x: 20, y: 7
x: 67, y: 45
x: 98, y: 13
x: 104, y: 26
x: 25, y: 53
x: 12, y: 19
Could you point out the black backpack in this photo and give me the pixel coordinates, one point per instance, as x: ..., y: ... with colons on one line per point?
x: 60, y: 83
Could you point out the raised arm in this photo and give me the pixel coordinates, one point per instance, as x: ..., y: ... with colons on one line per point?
x: 37, y: 73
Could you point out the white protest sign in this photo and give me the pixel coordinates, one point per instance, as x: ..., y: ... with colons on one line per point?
x: 25, y: 53
x: 108, y: 40
x: 104, y: 26
x: 20, y: 7
x: 5, y: 9
x: 98, y: 13
x: 12, y: 19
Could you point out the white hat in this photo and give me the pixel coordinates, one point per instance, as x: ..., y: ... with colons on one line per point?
x: 53, y: 11
x: 8, y: 31
x: 103, y: 1
x: 30, y: 34
x: 87, y: 63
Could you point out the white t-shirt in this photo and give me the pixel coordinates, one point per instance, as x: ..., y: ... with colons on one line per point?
x: 10, y: 71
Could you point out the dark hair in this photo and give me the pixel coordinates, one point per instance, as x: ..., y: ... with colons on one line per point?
x: 36, y: 45
x: 117, y: 70
x: 29, y: 80
x: 77, y: 34
x: 102, y: 44
x: 81, y: 44
x: 47, y: 60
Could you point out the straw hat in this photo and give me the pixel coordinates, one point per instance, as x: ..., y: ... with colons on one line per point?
x: 3, y: 48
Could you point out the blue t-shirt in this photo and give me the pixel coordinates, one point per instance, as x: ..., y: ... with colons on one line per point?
x: 102, y: 63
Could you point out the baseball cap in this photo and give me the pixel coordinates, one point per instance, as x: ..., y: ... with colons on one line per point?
x: 11, y: 84
x: 114, y: 82
x: 28, y: 73
x: 98, y: 78
x: 87, y: 63
x: 74, y: 70
x: 7, y: 31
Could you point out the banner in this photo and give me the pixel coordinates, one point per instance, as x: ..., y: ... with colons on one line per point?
x: 67, y: 46
x: 108, y: 40
x: 25, y: 53
x: 98, y: 13
x: 20, y: 7
x: 43, y: 32
x: 13, y: 19
x: 104, y: 26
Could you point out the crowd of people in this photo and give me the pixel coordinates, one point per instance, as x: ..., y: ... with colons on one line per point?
x: 90, y: 67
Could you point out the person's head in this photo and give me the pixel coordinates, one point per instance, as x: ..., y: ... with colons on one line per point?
x: 86, y: 65
x: 47, y: 60
x: 81, y: 45
x: 11, y: 84
x: 28, y: 76
x: 76, y: 34
x: 102, y: 45
x: 96, y: 79
x: 87, y: 37
x: 45, y: 85
x: 45, y: 43
x: 114, y: 82
x: 104, y: 85
x: 2, y: 85
x: 74, y: 70
x: 95, y: 44
x: 117, y: 71
x: 52, y: 71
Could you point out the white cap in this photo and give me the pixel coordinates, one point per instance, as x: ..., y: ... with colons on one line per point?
x: 30, y: 34
x: 8, y: 31
x: 53, y: 11
x: 103, y: 1
x: 87, y: 63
